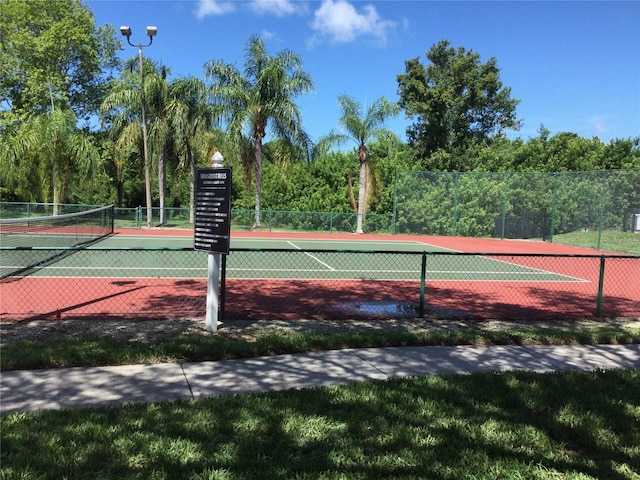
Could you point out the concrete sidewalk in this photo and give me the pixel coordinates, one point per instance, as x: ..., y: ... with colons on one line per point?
x: 33, y: 390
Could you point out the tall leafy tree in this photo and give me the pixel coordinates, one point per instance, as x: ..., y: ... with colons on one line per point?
x: 454, y: 100
x: 192, y: 118
x: 47, y: 150
x: 360, y: 126
x: 51, y: 53
x: 122, y: 107
x: 157, y: 101
x: 623, y: 153
x: 54, y: 64
x: 262, y: 95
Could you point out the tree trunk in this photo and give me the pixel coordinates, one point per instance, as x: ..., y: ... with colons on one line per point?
x: 147, y: 186
x: 55, y: 187
x: 192, y: 185
x: 352, y: 198
x: 120, y: 188
x: 64, y: 189
x: 162, y: 185
x: 362, y: 187
x: 256, y: 222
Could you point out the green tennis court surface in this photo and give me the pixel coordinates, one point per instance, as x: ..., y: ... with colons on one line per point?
x: 172, y: 257
x: 138, y: 241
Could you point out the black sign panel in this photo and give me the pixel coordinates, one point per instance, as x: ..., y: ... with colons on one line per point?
x: 213, y: 210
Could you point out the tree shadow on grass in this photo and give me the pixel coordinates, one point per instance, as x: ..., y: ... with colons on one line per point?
x: 484, y: 425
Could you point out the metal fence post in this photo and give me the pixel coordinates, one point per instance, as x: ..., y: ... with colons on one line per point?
x: 554, y: 206
x: 395, y: 203
x: 602, y: 204
x: 423, y: 281
x: 600, y: 287
x: 504, y: 204
x: 455, y: 203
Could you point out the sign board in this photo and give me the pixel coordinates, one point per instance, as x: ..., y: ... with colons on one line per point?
x: 213, y: 210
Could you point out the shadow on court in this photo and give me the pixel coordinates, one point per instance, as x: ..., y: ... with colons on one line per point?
x: 254, y: 299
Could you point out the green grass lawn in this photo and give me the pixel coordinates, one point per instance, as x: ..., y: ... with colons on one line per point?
x: 481, y: 426
x: 624, y: 242
x: 514, y: 425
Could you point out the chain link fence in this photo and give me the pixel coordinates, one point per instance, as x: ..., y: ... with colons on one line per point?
x: 598, y: 209
x: 33, y: 209
x: 242, y: 219
x: 265, y: 284
x: 271, y: 220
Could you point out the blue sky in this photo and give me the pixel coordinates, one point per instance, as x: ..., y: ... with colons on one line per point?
x: 575, y: 66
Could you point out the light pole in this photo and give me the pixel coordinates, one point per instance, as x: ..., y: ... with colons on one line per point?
x: 151, y: 32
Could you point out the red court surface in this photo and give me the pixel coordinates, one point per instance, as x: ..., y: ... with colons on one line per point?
x: 262, y: 299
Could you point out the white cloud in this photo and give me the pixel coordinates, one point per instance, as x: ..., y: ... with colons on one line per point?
x: 340, y: 22
x: 279, y: 8
x: 267, y: 35
x: 213, y: 7
x: 599, y: 123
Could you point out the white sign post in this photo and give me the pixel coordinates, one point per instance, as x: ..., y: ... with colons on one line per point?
x: 212, y: 227
x: 213, y: 292
x: 213, y: 277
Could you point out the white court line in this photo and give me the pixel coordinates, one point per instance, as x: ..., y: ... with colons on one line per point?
x: 542, y: 271
x: 342, y: 242
x: 548, y: 272
x: 312, y: 256
x: 272, y: 278
x: 438, y: 247
x: 332, y: 244
x: 241, y: 269
x: 312, y: 270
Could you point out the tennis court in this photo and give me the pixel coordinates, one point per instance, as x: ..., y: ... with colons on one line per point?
x: 322, y: 259
x: 332, y: 276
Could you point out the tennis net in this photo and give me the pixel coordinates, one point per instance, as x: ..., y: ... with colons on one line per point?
x: 26, y: 243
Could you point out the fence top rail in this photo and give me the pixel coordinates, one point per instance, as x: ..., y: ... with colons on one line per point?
x: 352, y: 251
x: 302, y: 212
x: 428, y: 252
x: 569, y: 172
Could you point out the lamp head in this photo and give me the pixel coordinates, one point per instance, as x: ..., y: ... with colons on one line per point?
x: 125, y: 31
x: 151, y: 31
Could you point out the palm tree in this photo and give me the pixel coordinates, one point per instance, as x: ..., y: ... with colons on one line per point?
x: 50, y: 148
x: 360, y: 127
x: 125, y: 101
x: 123, y: 106
x: 192, y: 117
x: 157, y: 98
x: 262, y: 94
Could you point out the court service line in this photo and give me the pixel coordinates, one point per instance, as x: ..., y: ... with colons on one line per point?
x: 510, y: 275
x: 439, y: 247
x: 271, y: 278
x: 243, y: 269
x: 467, y: 272
x: 312, y: 256
x: 541, y: 270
